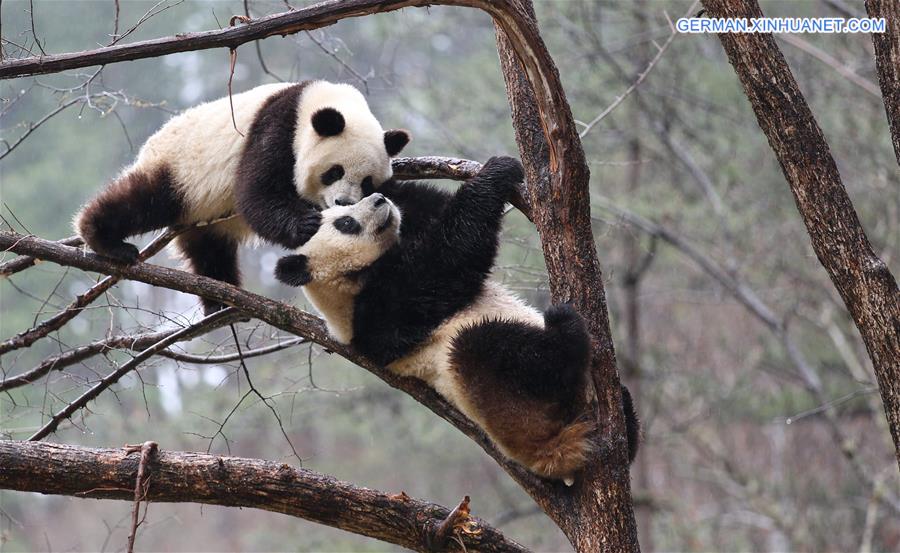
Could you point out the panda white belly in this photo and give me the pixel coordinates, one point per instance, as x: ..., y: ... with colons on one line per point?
x: 202, y: 150
x: 431, y: 361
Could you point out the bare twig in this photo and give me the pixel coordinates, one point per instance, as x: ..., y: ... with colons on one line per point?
x: 141, y: 485
x: 135, y: 343
x: 228, y: 314
x: 643, y: 75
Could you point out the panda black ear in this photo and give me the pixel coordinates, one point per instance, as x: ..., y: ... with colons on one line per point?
x: 293, y: 270
x: 328, y: 122
x: 395, y: 140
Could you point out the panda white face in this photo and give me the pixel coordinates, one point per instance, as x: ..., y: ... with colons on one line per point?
x: 341, y: 160
x: 347, y: 172
x: 352, y: 237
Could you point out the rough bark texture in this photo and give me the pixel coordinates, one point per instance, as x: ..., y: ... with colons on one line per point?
x: 597, y: 515
x: 864, y: 282
x: 887, y: 60
x: 236, y: 482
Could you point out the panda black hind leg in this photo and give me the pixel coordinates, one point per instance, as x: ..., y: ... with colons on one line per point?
x: 137, y: 202
x: 212, y: 254
x: 526, y: 384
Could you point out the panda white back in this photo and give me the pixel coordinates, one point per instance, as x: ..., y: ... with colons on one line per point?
x: 273, y: 156
x: 202, y: 150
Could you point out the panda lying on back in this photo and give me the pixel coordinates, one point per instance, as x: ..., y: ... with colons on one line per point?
x: 422, y: 305
x: 304, y: 146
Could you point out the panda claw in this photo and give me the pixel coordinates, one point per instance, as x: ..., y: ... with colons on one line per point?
x: 569, y: 481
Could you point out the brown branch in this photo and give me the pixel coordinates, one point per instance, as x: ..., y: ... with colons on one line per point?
x: 23, y: 262
x: 141, y: 485
x: 864, y: 281
x: 282, y: 24
x: 435, y: 167
x: 887, y: 61
x: 275, y: 313
x: 235, y: 482
x: 598, y: 515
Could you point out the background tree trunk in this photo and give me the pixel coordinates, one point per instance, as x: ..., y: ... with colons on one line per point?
x: 863, y: 280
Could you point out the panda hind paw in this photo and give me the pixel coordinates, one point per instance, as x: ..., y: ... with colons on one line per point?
x: 123, y: 251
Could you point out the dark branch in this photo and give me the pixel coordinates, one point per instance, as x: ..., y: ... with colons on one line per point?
x: 235, y: 482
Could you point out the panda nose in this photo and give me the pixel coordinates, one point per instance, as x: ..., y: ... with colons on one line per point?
x: 343, y: 200
x: 379, y: 199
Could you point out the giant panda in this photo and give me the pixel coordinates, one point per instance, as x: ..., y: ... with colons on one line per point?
x: 290, y: 150
x: 421, y: 303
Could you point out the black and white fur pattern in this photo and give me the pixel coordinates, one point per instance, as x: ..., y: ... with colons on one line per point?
x: 420, y: 302
x: 301, y: 147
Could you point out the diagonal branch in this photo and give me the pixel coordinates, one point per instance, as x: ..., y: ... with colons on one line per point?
x: 236, y: 482
x: 216, y: 319
x: 887, y: 61
x: 865, y: 283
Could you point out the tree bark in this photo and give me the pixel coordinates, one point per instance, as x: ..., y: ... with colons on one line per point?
x: 887, y: 61
x: 598, y: 514
x: 864, y: 281
x: 236, y: 482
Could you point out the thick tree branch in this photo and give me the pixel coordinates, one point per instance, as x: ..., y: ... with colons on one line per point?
x: 864, y: 281
x: 236, y: 482
x: 887, y: 61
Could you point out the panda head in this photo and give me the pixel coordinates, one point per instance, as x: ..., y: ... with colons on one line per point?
x: 345, y: 155
x: 350, y: 238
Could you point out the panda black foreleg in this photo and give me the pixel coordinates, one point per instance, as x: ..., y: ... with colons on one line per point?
x: 135, y: 203
x: 464, y: 240
x: 212, y: 254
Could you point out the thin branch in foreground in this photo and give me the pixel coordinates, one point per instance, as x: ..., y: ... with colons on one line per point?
x: 236, y: 482
x: 228, y: 314
x: 141, y: 485
x: 25, y: 338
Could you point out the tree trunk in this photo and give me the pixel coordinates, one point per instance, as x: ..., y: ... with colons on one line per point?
x: 597, y: 515
x: 864, y: 281
x: 887, y: 60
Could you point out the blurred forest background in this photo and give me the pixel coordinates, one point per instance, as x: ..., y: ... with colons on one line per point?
x: 763, y: 426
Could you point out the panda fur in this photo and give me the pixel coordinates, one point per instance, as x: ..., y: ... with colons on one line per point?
x: 416, y: 298
x: 297, y: 148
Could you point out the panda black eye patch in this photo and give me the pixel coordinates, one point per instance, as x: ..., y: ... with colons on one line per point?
x: 332, y: 175
x: 367, y: 186
x: 347, y: 225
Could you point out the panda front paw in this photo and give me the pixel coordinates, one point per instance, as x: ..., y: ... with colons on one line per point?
x: 504, y: 173
x: 303, y: 228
